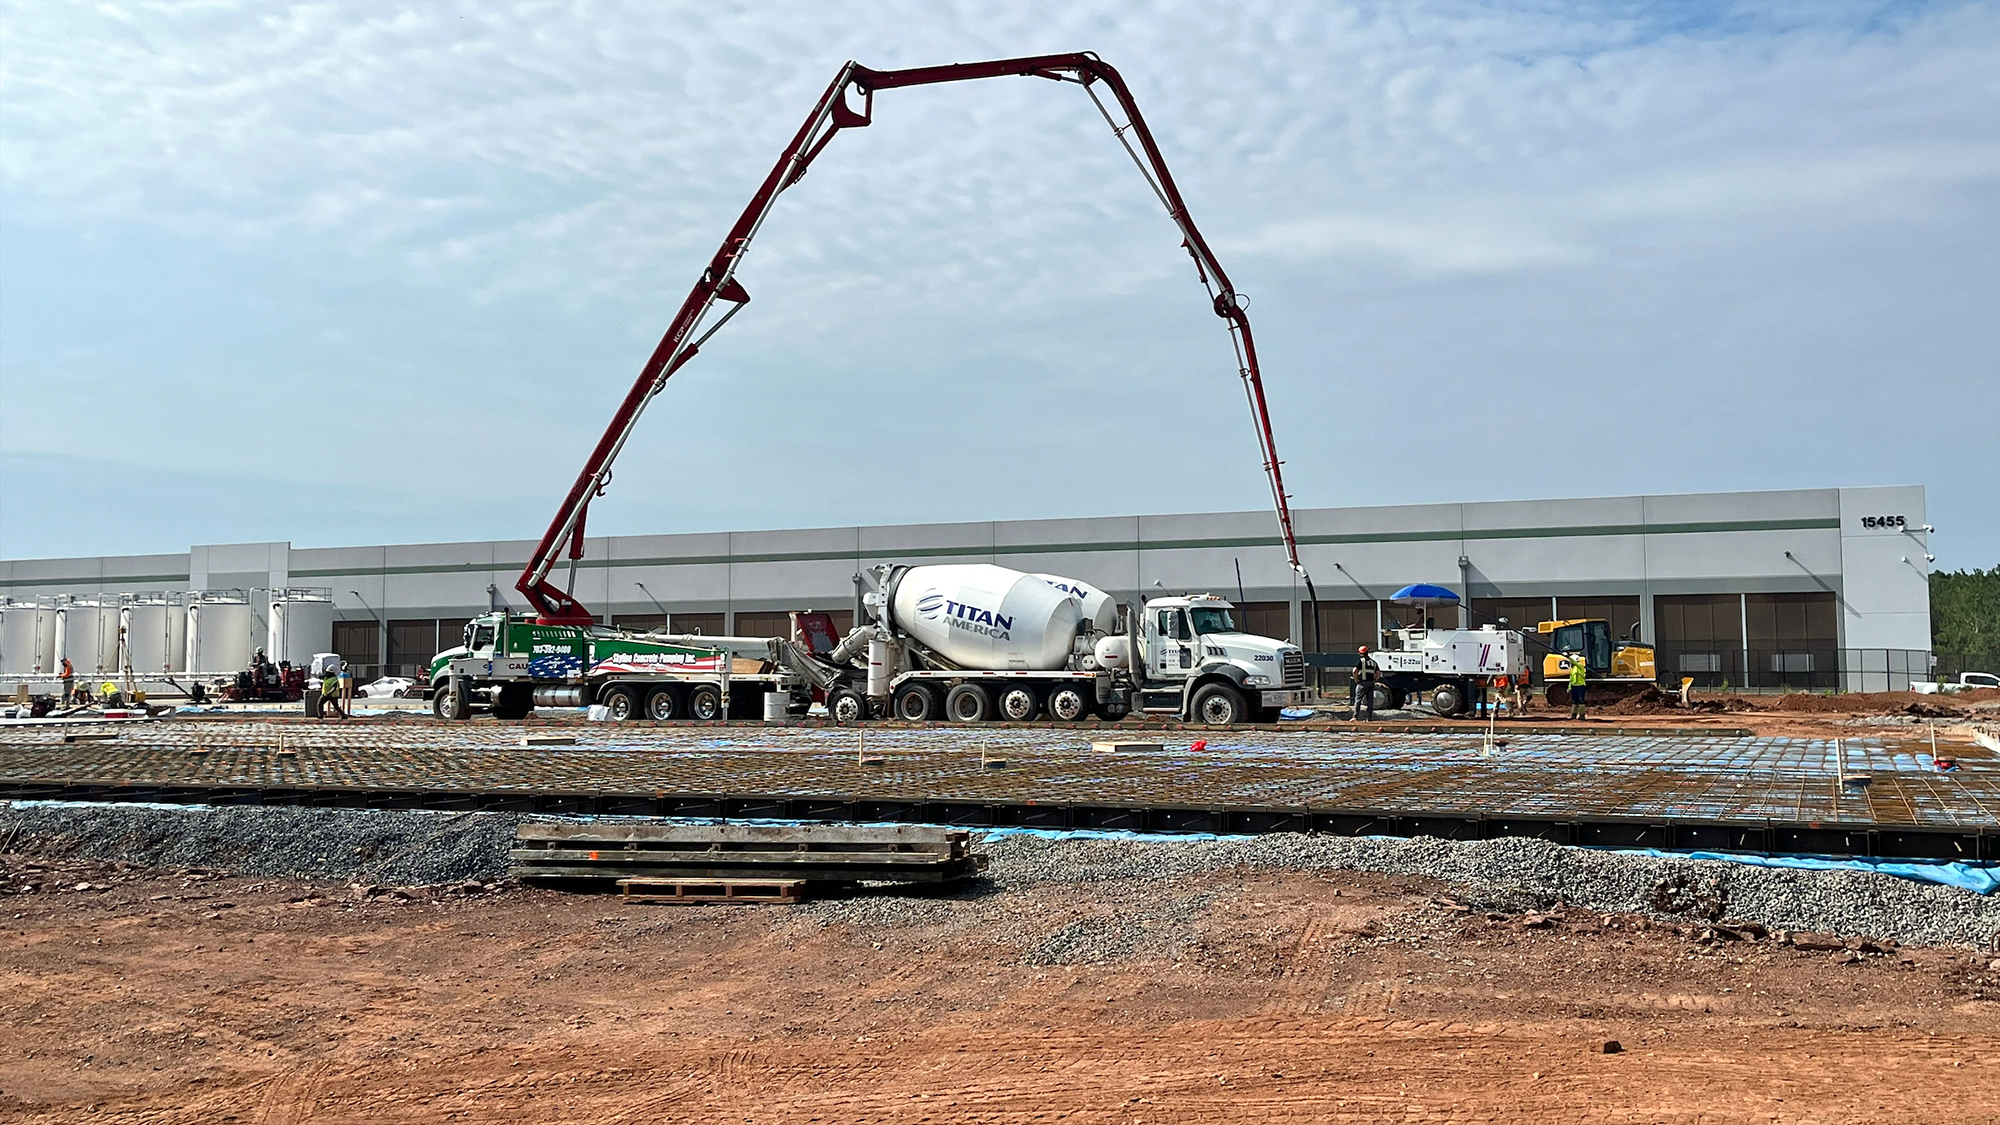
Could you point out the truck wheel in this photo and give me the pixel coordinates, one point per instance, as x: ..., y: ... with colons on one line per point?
x: 622, y: 704
x: 845, y: 705
x: 1381, y: 697
x: 1448, y: 700
x: 446, y: 703
x: 1019, y: 704
x: 1558, y: 693
x: 968, y: 703
x: 704, y: 702
x: 916, y: 703
x: 1218, y: 705
x: 663, y: 706
x: 1067, y: 704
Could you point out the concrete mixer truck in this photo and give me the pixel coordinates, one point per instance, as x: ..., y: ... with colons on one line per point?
x: 978, y: 642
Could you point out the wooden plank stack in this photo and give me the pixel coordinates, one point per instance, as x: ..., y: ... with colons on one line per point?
x: 689, y: 853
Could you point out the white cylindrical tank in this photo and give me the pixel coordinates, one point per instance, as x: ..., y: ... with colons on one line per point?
x: 1098, y: 608
x: 301, y: 625
x: 88, y: 628
x: 218, y: 633
x: 986, y: 617
x: 156, y: 634
x: 27, y: 638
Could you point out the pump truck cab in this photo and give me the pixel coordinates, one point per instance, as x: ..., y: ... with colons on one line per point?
x: 509, y: 665
x: 1614, y: 669
x: 975, y: 642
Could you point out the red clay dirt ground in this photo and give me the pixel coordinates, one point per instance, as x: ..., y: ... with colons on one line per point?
x: 157, y: 996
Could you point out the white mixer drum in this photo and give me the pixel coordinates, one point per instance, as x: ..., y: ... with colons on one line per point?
x: 988, y: 617
x: 1098, y: 608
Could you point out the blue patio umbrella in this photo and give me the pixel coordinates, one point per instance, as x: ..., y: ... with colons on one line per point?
x: 1423, y: 593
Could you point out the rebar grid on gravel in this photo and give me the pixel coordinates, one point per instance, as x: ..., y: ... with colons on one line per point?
x: 1685, y: 777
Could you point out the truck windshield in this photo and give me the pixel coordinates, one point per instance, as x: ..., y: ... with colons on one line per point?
x: 482, y: 637
x: 1212, y: 621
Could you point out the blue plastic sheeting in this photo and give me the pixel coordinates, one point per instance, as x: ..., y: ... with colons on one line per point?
x: 1979, y: 878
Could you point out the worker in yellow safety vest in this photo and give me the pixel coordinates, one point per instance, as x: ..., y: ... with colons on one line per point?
x: 1578, y: 674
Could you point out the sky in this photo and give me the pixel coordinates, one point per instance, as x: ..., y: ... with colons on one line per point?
x: 358, y: 273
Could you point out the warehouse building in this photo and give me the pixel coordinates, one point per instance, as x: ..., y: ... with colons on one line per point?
x: 1811, y: 588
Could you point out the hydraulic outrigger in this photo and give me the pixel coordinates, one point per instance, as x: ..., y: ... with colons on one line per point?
x: 718, y: 283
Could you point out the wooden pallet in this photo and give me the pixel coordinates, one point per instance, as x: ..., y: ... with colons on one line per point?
x: 686, y: 892
x: 713, y: 853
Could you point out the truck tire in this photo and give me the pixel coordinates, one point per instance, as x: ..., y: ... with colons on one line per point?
x: 1382, y: 697
x: 845, y: 705
x: 704, y: 702
x: 622, y: 704
x: 447, y: 703
x: 1068, y: 704
x: 1447, y: 700
x: 917, y: 703
x: 1218, y: 705
x: 968, y: 703
x: 664, y: 705
x: 1019, y: 704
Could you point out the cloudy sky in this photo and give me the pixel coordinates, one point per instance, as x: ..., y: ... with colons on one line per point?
x: 348, y: 273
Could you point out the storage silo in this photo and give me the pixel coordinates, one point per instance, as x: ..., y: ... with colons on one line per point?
x: 218, y: 632
x: 156, y: 633
x: 301, y: 624
x: 27, y: 637
x: 87, y: 633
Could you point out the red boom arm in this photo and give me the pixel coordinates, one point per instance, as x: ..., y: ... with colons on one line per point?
x: 718, y: 283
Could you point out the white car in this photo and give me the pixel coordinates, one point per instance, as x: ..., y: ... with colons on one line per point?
x: 389, y: 687
x: 1967, y: 681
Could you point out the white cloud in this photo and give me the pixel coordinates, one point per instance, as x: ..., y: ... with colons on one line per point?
x: 473, y: 167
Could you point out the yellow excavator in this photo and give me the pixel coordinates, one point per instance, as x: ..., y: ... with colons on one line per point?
x: 1614, y: 668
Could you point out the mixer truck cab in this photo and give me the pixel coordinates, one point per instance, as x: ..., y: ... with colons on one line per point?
x: 1198, y: 663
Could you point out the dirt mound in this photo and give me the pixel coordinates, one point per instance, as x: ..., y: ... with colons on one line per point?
x: 1872, y: 703
x: 1653, y: 701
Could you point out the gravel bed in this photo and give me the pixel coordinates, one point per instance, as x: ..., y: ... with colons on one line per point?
x: 1521, y: 874
x: 423, y: 848
x: 412, y: 848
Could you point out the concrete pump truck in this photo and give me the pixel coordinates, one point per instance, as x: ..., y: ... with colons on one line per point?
x: 934, y: 647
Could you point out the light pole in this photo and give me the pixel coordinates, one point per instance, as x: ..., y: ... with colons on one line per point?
x: 381, y: 630
x: 666, y: 619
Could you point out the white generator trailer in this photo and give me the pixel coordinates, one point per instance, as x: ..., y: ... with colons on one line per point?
x: 1446, y: 667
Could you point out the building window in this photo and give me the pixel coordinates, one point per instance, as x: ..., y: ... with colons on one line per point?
x: 359, y: 645
x: 707, y: 624
x: 1622, y: 613
x: 1265, y: 619
x: 1696, y: 662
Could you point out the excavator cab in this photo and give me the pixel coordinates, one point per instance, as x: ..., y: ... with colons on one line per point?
x: 1615, y: 667
x: 1591, y: 639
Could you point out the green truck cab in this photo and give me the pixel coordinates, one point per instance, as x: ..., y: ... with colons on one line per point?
x: 509, y: 665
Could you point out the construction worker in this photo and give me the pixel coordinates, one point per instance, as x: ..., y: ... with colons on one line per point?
x: 1577, y: 678
x: 1365, y: 676
x: 329, y: 695
x: 68, y: 682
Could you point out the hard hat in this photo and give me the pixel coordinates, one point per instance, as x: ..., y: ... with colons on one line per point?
x: 1364, y: 648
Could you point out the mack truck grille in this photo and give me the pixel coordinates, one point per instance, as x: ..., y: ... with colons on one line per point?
x: 1295, y: 668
